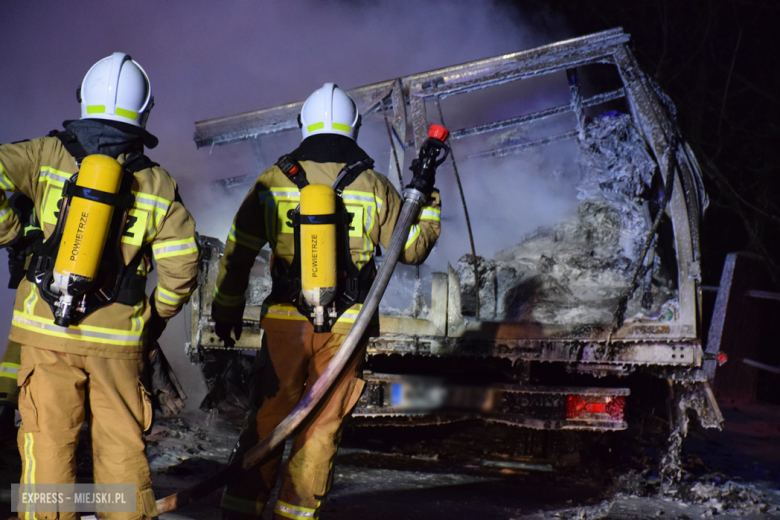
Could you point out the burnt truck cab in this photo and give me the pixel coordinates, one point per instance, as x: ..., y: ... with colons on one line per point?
x: 568, y: 182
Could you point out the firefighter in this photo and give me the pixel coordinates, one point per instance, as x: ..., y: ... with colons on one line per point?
x: 300, y: 340
x: 165, y: 395
x: 96, y: 361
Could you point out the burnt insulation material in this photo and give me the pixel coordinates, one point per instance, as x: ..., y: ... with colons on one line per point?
x: 574, y: 272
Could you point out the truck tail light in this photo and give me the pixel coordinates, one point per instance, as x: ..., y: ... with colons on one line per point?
x: 611, y: 406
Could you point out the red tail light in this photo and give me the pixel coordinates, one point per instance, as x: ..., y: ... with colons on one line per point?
x: 612, y: 406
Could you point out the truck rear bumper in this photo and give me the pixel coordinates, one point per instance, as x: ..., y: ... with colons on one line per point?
x: 537, y: 407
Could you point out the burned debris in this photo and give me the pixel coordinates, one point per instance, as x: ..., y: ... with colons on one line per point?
x: 574, y: 272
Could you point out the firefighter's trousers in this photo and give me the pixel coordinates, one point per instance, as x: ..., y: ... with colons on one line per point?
x: 57, y: 391
x: 292, y: 358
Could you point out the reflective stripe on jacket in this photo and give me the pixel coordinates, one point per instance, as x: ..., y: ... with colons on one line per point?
x: 39, y: 169
x: 262, y: 218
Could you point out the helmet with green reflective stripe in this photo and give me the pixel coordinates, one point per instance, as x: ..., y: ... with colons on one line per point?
x: 116, y: 88
x: 329, y: 110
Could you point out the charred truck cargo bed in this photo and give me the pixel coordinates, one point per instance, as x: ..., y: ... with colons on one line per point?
x: 571, y: 211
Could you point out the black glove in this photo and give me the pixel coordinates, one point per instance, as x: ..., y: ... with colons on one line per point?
x: 424, y: 166
x: 7, y: 420
x: 223, y: 329
x: 26, y: 243
x: 166, y: 396
x: 155, y: 326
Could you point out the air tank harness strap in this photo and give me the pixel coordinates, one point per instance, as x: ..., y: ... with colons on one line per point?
x: 134, y: 163
x: 132, y: 288
x: 349, y: 173
x: 346, y: 176
x: 123, y: 201
x: 293, y: 170
x: 337, y: 218
x: 358, y: 281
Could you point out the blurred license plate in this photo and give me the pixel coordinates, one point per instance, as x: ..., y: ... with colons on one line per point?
x: 413, y: 395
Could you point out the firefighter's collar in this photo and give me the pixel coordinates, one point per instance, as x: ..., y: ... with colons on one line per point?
x: 149, y: 140
x: 324, y: 148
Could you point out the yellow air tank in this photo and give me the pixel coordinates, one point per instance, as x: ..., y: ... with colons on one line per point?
x: 86, y: 229
x: 318, y: 250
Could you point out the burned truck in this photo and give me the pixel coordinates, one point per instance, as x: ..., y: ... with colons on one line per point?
x: 569, y: 255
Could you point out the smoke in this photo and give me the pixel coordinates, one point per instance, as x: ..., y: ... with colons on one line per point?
x: 211, y: 59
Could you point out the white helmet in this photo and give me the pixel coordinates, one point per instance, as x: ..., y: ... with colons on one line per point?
x: 116, y: 88
x: 329, y: 110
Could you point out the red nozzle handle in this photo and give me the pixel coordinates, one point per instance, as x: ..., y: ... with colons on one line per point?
x: 438, y: 132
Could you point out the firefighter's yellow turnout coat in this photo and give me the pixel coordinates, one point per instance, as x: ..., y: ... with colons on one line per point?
x: 98, y: 360
x: 9, y: 368
x: 293, y: 355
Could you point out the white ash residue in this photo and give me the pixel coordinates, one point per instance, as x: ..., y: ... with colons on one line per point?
x: 729, y: 498
x: 406, y: 293
x: 176, y: 439
x: 260, y: 279
x: 574, y: 272
x: 596, y: 512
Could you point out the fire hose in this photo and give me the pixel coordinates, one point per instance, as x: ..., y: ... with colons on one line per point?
x: 415, y: 195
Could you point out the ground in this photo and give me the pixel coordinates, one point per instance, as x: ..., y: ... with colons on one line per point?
x: 473, y: 470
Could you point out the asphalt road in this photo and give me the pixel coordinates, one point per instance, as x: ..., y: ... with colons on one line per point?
x: 470, y: 470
